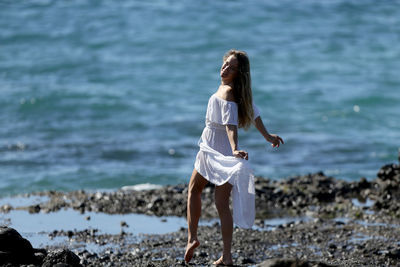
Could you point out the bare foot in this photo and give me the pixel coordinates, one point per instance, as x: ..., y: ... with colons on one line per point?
x: 190, y: 249
x: 222, y: 262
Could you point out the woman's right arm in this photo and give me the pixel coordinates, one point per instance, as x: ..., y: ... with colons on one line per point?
x: 231, y: 131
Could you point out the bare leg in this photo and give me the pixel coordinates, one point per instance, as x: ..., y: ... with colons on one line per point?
x: 222, y: 195
x: 196, y: 185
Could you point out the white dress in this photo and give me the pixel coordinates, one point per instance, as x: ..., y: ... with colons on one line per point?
x: 215, y: 161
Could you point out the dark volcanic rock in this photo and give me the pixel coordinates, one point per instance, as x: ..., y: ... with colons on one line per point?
x: 61, y: 257
x: 388, y: 190
x: 14, y: 248
x: 389, y: 172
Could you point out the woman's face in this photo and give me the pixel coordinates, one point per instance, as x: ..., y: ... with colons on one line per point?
x: 229, y: 68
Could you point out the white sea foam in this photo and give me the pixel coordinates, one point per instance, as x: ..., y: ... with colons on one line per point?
x: 141, y: 187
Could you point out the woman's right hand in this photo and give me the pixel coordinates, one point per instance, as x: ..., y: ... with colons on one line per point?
x: 241, y: 154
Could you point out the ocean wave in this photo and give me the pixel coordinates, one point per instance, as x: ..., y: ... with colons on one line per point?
x: 141, y: 187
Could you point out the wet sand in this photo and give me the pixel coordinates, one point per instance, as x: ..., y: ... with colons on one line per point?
x: 314, y: 218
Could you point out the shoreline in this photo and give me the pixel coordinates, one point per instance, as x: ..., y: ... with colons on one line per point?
x: 314, y: 218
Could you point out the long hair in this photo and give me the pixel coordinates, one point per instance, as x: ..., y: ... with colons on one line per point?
x: 242, y: 88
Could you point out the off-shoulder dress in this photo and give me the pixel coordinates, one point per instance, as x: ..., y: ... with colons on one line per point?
x: 215, y: 161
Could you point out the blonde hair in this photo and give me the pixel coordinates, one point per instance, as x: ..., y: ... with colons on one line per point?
x: 242, y: 88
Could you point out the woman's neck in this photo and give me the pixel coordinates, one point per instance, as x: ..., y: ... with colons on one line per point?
x: 227, y: 82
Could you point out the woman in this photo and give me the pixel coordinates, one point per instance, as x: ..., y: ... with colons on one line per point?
x: 220, y: 161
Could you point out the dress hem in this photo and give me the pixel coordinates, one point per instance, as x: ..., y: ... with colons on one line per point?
x: 228, y: 181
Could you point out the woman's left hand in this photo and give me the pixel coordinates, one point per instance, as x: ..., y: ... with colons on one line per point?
x: 275, y: 140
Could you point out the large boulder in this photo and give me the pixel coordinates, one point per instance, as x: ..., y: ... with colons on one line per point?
x: 389, y: 172
x: 14, y: 248
x: 61, y: 257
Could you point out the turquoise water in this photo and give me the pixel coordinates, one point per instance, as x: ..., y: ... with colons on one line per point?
x: 102, y: 94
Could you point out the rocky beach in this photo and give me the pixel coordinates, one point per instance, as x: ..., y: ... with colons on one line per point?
x: 311, y: 220
x: 103, y: 104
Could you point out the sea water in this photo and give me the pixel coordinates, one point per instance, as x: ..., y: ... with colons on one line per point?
x: 105, y: 94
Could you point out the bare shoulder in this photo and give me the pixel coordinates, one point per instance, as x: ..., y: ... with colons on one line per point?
x: 226, y: 92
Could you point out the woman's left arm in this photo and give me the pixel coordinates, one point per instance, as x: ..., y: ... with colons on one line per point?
x: 274, y: 139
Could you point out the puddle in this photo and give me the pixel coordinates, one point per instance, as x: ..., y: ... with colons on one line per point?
x: 368, y: 203
x: 40, y: 240
x: 360, y: 238
x: 316, y: 250
x: 36, y: 227
x: 106, y: 223
x: 364, y: 223
x: 273, y: 223
x: 276, y: 247
x: 23, y: 201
